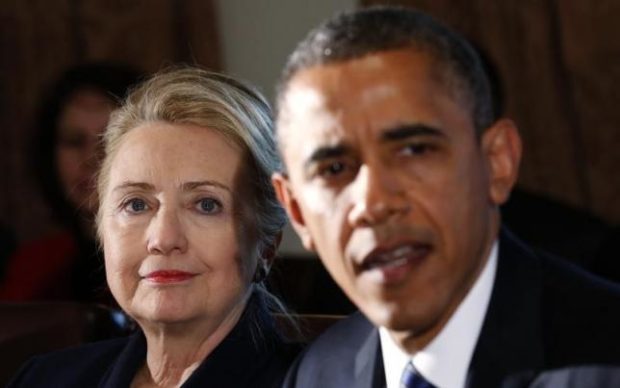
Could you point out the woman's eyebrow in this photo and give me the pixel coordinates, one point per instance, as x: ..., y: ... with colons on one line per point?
x: 134, y: 185
x: 188, y: 186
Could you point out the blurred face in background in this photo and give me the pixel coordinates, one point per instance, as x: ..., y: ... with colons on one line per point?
x: 80, y: 124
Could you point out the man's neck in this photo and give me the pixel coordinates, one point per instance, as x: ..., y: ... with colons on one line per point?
x: 445, y: 358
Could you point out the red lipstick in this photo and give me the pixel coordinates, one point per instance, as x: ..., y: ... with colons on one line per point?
x: 168, y: 276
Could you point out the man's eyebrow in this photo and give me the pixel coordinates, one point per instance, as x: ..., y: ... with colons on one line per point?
x: 402, y: 132
x: 188, y: 186
x: 326, y: 152
x: 393, y: 134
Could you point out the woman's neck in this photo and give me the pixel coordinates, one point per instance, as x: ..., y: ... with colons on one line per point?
x: 174, y: 351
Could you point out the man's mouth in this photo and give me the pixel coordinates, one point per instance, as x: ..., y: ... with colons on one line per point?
x: 386, y: 258
x: 392, y: 264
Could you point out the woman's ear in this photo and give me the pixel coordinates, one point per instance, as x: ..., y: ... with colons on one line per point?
x: 502, y: 148
x: 269, y: 252
x: 287, y: 198
x: 266, y: 259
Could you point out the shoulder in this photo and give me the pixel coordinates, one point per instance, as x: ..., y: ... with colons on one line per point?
x: 563, y: 285
x: 256, y: 344
x: 578, y: 313
x: 269, y: 367
x: 581, y: 315
x: 332, y: 358
x: 595, y: 376
x: 74, y: 367
x: 343, y: 337
x: 267, y: 354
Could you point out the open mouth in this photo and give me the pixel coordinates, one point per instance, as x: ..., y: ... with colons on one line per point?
x: 393, y: 264
x: 396, y: 256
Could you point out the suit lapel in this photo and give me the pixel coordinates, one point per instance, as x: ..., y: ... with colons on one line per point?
x: 122, y: 372
x: 368, y: 370
x: 511, y: 337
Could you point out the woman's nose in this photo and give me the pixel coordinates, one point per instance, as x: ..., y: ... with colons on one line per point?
x: 166, y: 234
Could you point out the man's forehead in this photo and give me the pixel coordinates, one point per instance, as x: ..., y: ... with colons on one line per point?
x: 333, y: 76
x: 306, y: 122
x: 367, y: 95
x: 322, y: 92
x: 302, y: 100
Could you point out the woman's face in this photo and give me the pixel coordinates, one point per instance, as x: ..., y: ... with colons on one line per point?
x: 170, y: 225
x: 80, y: 124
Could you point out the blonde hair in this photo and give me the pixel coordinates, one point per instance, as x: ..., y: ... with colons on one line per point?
x: 194, y: 96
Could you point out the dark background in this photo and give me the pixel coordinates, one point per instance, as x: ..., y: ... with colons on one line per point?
x: 557, y: 63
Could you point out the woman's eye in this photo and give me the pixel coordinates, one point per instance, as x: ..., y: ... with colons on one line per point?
x: 135, y: 205
x: 209, y: 205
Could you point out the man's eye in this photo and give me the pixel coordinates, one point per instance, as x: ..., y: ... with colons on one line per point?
x: 209, y: 205
x: 135, y: 205
x: 332, y: 169
x: 416, y: 149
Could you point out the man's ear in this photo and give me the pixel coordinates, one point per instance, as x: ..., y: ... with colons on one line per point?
x: 501, y: 145
x: 289, y: 201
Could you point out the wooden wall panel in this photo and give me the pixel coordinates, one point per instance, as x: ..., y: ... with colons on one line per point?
x: 41, y: 38
x: 559, y: 62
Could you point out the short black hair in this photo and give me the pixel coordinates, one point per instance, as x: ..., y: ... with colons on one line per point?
x: 354, y: 34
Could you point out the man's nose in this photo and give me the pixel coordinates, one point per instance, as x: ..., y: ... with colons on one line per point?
x: 377, y: 195
x: 166, y: 234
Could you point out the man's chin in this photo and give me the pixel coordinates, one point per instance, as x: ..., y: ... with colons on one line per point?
x: 393, y: 318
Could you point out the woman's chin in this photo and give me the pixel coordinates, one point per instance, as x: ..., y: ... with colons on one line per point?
x: 164, y: 314
x: 159, y: 319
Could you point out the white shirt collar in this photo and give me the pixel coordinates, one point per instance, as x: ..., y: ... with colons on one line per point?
x: 445, y: 360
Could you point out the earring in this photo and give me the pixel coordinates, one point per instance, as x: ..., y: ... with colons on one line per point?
x: 261, y: 273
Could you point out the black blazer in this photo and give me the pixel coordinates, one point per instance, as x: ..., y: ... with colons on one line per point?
x: 544, y: 316
x: 246, y: 358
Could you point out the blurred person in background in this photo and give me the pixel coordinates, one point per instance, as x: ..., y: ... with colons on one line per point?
x: 66, y: 264
x: 7, y: 246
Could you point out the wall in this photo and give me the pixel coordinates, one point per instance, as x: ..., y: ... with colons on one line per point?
x: 256, y: 38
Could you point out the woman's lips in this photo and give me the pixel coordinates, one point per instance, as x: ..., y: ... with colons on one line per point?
x: 168, y: 276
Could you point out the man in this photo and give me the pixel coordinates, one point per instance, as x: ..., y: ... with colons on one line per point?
x: 395, y: 168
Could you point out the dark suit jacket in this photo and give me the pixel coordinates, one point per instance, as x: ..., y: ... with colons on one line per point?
x: 545, y: 318
x: 246, y: 358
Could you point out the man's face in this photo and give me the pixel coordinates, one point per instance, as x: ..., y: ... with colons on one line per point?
x: 389, y: 184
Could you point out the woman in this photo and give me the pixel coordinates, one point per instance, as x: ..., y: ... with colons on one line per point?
x: 189, y: 225
x: 65, y: 264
